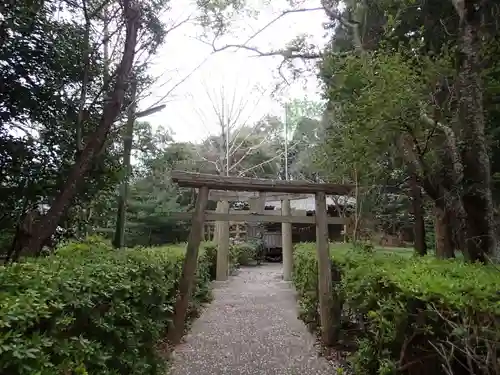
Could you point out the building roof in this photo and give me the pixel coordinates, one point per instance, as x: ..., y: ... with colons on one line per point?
x: 308, y: 204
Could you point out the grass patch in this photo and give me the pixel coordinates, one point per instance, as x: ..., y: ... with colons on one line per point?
x: 344, y: 248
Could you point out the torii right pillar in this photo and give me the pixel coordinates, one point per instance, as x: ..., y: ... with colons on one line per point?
x: 222, y: 230
x: 286, y: 241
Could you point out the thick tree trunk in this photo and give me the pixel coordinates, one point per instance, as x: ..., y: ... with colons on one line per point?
x: 43, y: 229
x: 477, y: 198
x: 418, y: 213
x: 444, y: 232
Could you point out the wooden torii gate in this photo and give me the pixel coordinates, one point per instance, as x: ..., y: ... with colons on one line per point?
x: 206, y: 182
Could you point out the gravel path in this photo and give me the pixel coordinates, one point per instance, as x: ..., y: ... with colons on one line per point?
x: 251, y: 327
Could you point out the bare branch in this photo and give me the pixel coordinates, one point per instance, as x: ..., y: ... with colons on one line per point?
x: 233, y: 149
x: 277, y: 18
x: 250, y: 149
x: 229, y: 112
x: 286, y: 53
x: 145, y: 44
x: 279, y: 155
x: 180, y: 82
x: 217, y: 167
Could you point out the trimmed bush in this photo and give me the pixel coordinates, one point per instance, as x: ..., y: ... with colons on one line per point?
x: 411, y: 315
x: 246, y: 253
x: 209, y: 254
x: 91, y: 309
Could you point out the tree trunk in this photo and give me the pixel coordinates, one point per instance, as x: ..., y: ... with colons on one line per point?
x: 85, y: 81
x: 444, y: 233
x: 477, y: 198
x: 119, y: 239
x: 418, y: 212
x: 43, y: 229
x: 357, y: 207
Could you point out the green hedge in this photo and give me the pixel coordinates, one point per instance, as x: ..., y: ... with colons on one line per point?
x: 247, y: 253
x: 91, y: 309
x: 410, y: 315
x: 209, y: 249
x: 239, y: 255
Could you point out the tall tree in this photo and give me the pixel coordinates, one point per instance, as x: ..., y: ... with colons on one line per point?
x: 128, y: 135
x: 400, y: 86
x: 236, y: 145
x: 302, y: 117
x: 43, y: 58
x: 128, y: 20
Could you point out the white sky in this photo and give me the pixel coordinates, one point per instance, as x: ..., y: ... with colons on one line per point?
x: 188, y: 112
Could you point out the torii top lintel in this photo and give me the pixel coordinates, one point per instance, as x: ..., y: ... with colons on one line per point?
x: 197, y: 180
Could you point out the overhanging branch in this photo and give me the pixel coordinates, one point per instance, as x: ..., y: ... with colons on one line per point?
x: 287, y: 53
